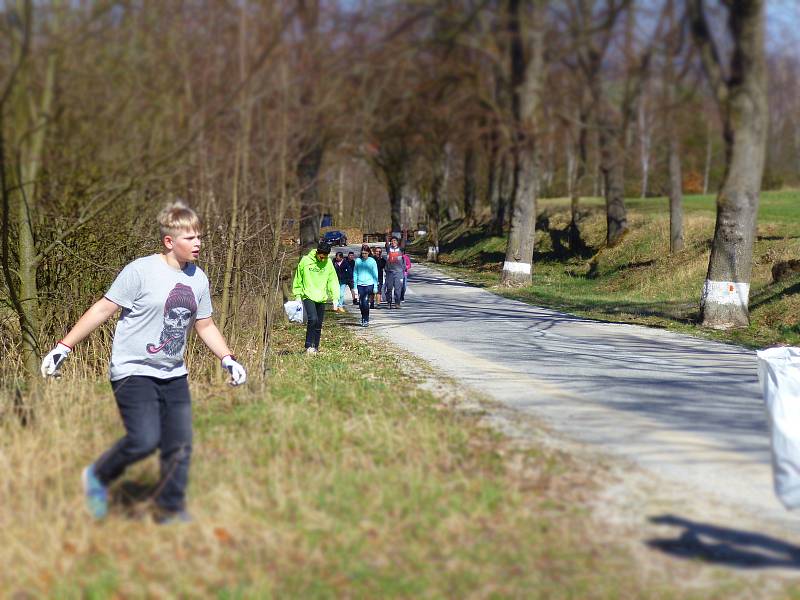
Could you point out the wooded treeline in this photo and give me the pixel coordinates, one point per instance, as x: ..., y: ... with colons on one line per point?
x: 265, y: 114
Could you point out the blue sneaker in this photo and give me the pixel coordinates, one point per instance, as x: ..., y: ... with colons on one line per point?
x: 96, y: 493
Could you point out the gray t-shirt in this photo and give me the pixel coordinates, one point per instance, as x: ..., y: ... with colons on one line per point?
x: 159, y: 306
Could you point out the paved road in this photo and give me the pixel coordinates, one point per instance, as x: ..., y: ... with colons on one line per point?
x: 688, y: 410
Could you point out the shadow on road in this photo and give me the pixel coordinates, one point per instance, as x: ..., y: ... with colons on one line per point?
x: 725, y: 546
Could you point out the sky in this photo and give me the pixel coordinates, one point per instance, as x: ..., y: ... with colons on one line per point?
x: 783, y: 17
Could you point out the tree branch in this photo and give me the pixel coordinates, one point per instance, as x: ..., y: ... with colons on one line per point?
x: 709, y: 53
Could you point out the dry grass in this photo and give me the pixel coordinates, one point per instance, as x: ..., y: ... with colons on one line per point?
x: 335, y: 479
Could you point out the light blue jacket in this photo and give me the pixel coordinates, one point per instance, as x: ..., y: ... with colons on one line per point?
x: 365, y: 272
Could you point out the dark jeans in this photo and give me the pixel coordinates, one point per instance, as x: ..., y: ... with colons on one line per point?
x: 364, y: 293
x: 315, y: 314
x: 157, y: 414
x: 403, y: 291
x: 394, y: 286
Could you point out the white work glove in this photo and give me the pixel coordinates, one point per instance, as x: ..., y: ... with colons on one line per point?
x: 51, y: 364
x: 238, y: 374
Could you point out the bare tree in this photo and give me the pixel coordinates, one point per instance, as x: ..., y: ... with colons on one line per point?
x: 592, y: 31
x: 644, y: 127
x: 470, y: 185
x: 740, y: 87
x: 671, y: 79
x: 526, y: 32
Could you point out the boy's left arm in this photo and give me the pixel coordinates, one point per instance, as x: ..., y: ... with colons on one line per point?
x: 213, y: 338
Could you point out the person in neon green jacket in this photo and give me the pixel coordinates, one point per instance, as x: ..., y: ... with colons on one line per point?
x: 314, y: 282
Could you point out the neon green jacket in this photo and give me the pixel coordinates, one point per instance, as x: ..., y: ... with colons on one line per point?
x: 315, y: 280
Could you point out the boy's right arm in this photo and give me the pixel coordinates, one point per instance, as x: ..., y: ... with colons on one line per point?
x: 297, y: 283
x: 97, y: 314
x: 100, y: 312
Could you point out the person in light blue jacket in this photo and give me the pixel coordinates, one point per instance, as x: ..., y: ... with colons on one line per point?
x: 365, y: 279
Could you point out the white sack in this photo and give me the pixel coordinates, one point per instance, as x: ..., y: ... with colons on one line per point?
x: 294, y: 311
x: 779, y: 374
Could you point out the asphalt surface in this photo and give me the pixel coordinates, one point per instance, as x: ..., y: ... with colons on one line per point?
x: 685, y: 409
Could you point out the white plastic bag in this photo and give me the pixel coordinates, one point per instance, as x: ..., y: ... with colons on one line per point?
x: 779, y: 374
x: 294, y: 311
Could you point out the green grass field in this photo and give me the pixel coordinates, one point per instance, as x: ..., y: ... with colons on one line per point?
x: 781, y: 208
x: 638, y: 280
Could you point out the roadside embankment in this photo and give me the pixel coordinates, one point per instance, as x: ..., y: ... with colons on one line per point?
x: 638, y: 280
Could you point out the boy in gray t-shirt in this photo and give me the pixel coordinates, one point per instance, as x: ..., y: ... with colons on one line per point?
x: 161, y: 296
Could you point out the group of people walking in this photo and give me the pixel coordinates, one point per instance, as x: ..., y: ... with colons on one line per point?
x: 371, y: 278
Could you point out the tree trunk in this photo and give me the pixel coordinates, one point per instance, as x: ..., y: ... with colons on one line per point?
x: 570, y: 175
x: 224, y: 308
x: 469, y: 185
x: 32, y: 126
x: 675, y: 196
x: 611, y: 166
x: 517, y: 267
x: 502, y: 193
x: 675, y: 177
x: 743, y: 101
x: 433, y: 210
x: 395, y: 202
x: 310, y: 213
x: 579, y: 172
x: 645, y: 142
x: 340, y: 215
x: 490, y: 197
x: 525, y: 76
x: 707, y: 170
x: 236, y: 286
x: 363, y: 205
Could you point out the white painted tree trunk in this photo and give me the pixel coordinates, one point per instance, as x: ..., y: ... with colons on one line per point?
x: 742, y: 97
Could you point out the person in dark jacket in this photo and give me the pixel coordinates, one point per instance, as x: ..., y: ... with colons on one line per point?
x: 351, y: 256
x: 344, y: 272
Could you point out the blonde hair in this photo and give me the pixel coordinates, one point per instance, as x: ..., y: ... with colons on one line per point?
x: 176, y: 217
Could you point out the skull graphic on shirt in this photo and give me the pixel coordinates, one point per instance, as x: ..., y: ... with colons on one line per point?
x: 179, y: 310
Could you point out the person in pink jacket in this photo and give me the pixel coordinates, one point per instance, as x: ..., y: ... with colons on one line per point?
x: 406, y: 269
